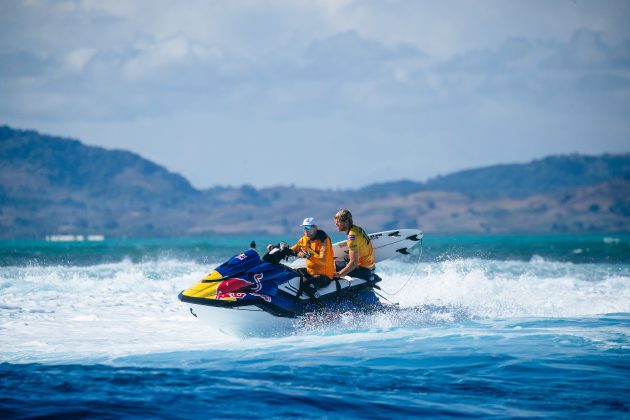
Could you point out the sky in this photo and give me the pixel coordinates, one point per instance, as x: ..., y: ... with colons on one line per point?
x: 321, y: 93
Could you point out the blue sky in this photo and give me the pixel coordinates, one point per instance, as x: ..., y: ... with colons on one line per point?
x: 321, y: 93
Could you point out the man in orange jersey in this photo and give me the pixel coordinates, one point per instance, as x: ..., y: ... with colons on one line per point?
x: 316, y: 247
x: 361, y: 261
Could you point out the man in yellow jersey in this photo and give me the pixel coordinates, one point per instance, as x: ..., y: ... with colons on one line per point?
x: 361, y: 261
x: 316, y: 247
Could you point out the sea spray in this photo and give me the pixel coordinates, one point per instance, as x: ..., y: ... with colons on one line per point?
x: 497, y: 328
x: 60, y: 313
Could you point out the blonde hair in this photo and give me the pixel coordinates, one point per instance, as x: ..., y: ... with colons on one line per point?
x: 344, y: 215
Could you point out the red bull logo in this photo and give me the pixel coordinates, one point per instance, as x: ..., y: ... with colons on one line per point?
x: 230, y: 286
x: 263, y: 297
x: 230, y: 296
x: 257, y: 278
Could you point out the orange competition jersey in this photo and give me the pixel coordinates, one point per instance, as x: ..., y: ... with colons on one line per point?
x: 321, y: 262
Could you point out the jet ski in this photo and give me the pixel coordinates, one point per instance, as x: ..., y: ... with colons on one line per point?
x: 253, y: 296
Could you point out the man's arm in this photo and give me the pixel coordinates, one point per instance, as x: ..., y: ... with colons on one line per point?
x: 315, y: 257
x: 322, y: 251
x: 301, y: 249
x: 352, y: 264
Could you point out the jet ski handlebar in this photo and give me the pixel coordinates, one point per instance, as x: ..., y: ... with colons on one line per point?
x: 277, y: 253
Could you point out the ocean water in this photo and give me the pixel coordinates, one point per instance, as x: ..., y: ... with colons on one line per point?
x: 484, y: 326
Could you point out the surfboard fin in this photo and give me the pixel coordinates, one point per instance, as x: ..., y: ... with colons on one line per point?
x: 403, y: 251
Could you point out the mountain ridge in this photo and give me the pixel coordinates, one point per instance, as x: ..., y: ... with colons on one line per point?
x: 55, y: 185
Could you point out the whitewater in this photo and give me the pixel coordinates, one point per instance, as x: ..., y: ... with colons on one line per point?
x: 100, y: 332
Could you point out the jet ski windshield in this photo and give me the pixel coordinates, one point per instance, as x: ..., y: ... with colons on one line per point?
x: 239, y: 263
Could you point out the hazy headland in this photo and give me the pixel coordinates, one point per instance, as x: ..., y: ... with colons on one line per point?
x: 51, y: 185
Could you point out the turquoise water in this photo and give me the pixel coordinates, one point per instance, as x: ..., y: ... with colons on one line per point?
x: 612, y: 248
x: 490, y: 326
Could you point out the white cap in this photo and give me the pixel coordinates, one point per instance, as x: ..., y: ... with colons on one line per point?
x: 309, y: 221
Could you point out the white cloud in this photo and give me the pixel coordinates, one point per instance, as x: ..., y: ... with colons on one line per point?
x: 350, y: 71
x: 150, y: 56
x: 77, y: 59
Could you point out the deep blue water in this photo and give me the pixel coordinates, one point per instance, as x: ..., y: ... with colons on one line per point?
x: 502, y: 326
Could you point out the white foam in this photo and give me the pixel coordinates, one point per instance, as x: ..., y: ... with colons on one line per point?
x: 537, y: 259
x: 493, y: 289
x: 98, y: 313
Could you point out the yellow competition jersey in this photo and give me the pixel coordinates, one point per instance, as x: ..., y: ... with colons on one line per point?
x: 359, y: 241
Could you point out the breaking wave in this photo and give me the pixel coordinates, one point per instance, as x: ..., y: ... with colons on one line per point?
x: 98, y: 313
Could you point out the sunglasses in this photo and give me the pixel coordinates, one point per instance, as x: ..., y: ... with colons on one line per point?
x: 307, y: 227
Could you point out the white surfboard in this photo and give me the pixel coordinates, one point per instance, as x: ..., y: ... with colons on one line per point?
x: 386, y: 245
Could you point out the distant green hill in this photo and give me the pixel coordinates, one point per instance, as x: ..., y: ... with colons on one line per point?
x: 34, y: 164
x: 544, y: 176
x: 53, y: 185
x: 57, y: 185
